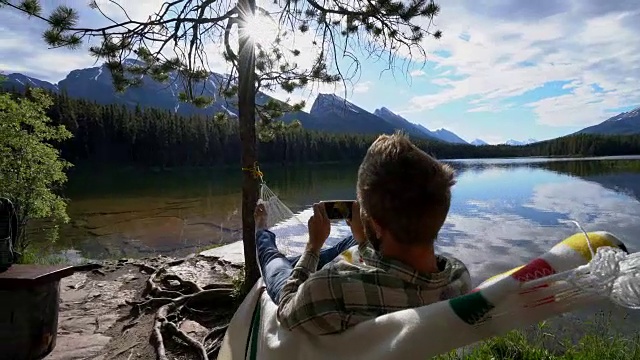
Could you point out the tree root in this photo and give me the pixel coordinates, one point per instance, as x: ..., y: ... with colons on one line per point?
x: 157, y: 333
x: 218, y: 286
x: 172, y: 329
x: 171, y: 308
x: 144, y: 267
x: 177, y: 299
x: 204, y: 295
x: 216, y: 335
x: 183, y: 284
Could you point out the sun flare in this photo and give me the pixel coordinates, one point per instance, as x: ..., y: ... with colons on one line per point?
x: 261, y: 29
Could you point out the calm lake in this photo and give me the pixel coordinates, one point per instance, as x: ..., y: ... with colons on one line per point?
x: 504, y: 212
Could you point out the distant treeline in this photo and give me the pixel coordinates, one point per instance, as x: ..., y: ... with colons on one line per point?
x: 116, y: 134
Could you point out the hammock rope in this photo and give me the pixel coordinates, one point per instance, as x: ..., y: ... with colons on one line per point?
x: 279, y: 216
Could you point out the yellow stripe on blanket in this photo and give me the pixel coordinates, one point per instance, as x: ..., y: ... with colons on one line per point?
x: 578, y: 243
x: 501, y: 275
x: 572, y: 252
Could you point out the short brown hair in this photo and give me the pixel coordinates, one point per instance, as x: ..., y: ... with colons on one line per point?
x: 404, y: 190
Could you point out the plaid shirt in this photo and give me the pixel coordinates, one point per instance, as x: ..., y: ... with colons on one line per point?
x: 360, y: 285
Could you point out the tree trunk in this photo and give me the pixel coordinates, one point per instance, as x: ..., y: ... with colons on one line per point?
x: 246, y: 114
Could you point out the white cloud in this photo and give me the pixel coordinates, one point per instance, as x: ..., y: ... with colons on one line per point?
x: 362, y: 87
x: 592, y: 205
x: 484, y: 108
x: 417, y: 73
x: 576, y: 45
x: 24, y: 51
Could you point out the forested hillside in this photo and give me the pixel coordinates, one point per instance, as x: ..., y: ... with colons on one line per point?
x: 114, y: 134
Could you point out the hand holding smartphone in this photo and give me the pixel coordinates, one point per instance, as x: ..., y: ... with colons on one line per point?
x: 339, y: 209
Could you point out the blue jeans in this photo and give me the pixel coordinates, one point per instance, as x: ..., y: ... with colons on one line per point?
x: 276, y: 268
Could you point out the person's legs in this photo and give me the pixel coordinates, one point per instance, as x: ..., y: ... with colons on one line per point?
x: 327, y: 255
x: 274, y: 266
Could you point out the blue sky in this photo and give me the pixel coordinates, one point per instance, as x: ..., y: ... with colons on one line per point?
x: 504, y: 69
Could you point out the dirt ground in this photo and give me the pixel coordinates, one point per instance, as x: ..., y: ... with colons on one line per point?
x: 96, y: 320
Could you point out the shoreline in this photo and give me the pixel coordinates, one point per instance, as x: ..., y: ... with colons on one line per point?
x: 270, y: 165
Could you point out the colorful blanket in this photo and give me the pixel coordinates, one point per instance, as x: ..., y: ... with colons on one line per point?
x: 501, y: 303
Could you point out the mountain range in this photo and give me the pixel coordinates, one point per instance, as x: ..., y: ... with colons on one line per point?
x: 329, y: 112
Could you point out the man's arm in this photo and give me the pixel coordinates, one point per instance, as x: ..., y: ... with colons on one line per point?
x: 307, y: 302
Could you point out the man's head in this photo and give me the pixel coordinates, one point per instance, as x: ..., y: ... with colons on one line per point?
x: 404, y: 194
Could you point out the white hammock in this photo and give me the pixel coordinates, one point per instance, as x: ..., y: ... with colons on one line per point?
x: 564, y: 279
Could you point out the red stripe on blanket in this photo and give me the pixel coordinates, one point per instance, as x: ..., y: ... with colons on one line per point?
x: 543, y: 301
x: 534, y: 270
x: 533, y: 289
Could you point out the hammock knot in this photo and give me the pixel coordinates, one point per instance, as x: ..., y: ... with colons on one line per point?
x: 255, y: 171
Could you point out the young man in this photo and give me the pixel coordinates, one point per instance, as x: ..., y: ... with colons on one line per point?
x: 404, y: 197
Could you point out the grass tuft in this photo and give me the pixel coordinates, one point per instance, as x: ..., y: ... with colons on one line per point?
x: 33, y: 257
x: 517, y: 345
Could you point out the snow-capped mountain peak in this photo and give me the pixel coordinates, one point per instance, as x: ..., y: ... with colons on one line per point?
x: 24, y: 80
x: 625, y: 115
x: 625, y: 123
x: 520, y: 143
x: 478, y: 142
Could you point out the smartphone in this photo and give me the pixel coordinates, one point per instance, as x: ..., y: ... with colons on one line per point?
x: 339, y: 209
